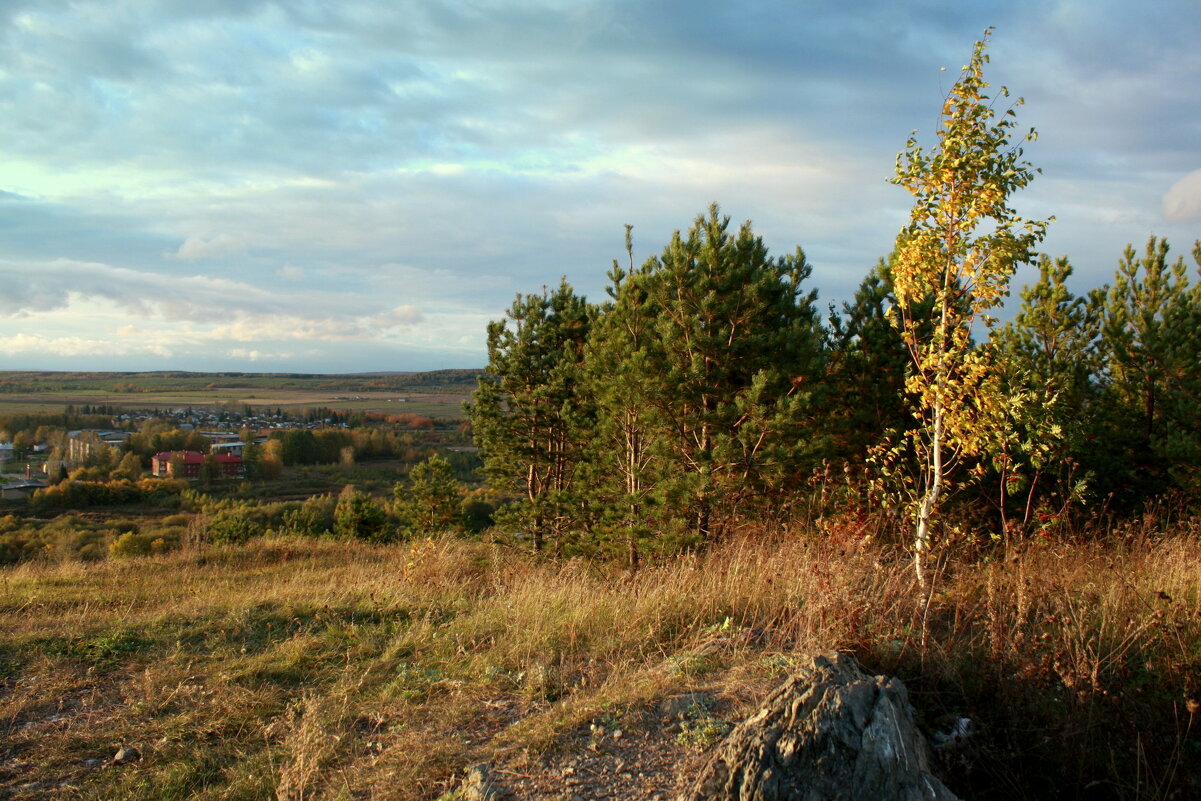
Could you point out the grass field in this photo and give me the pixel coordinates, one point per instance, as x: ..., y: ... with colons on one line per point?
x: 439, y: 394
x: 428, y: 405
x: 321, y: 669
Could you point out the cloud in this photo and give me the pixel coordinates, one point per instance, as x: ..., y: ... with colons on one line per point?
x: 1182, y: 203
x: 46, y: 286
x: 188, y: 311
x: 399, y: 317
x: 291, y: 272
x: 353, y: 173
x: 255, y: 355
x: 195, y: 248
x: 80, y: 346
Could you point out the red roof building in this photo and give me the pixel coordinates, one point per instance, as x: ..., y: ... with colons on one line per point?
x: 165, y: 463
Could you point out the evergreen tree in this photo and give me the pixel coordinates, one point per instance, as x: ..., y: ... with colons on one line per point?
x: 1152, y: 347
x: 1049, y: 361
x: 529, y: 416
x: 621, y: 346
x: 431, y: 502
x: 721, y: 347
x: 868, y: 361
x: 361, y: 516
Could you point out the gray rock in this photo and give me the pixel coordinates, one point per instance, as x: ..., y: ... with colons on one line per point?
x: 829, y: 733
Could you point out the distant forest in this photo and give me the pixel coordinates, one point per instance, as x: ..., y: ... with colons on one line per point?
x: 179, y: 381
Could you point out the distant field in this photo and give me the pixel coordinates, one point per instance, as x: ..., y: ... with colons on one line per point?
x: 439, y: 394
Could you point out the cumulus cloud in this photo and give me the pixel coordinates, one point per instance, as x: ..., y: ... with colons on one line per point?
x: 1182, y: 203
x: 79, y: 346
x: 51, y: 285
x: 289, y: 327
x: 255, y: 355
x: 346, y: 173
x: 399, y: 317
x: 195, y: 248
x: 201, y: 307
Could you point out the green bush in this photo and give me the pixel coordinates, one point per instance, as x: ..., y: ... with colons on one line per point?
x: 362, y: 516
x: 234, y: 525
x: 130, y: 544
x: 313, y: 518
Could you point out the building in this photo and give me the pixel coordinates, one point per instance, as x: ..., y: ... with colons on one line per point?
x: 225, y: 465
x: 232, y: 448
x: 21, y: 490
x: 83, y: 443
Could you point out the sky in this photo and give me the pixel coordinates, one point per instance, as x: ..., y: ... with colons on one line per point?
x: 361, y: 185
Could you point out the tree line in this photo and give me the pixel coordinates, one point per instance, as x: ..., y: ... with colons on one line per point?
x: 708, y: 387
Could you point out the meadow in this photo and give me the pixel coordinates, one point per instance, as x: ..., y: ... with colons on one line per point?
x: 316, y: 668
x: 258, y: 639
x: 434, y: 394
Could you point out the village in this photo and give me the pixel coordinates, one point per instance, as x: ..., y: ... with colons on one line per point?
x: 222, y: 437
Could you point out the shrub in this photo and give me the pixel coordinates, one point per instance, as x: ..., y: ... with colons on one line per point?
x: 432, y: 501
x: 233, y: 526
x: 361, y: 516
x: 313, y: 518
x: 129, y: 544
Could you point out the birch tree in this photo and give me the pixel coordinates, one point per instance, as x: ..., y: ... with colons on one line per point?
x: 958, y: 251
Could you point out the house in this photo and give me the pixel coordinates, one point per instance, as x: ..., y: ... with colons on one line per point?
x: 83, y: 443
x: 190, y: 462
x: 232, y: 448
x: 6, y: 451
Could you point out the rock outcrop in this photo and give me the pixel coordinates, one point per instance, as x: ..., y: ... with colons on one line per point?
x: 830, y: 733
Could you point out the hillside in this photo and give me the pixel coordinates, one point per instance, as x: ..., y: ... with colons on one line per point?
x: 320, y: 669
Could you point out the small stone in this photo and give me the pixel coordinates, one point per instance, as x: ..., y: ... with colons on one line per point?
x: 678, y: 706
x: 126, y: 754
x: 617, y: 734
x: 481, y: 785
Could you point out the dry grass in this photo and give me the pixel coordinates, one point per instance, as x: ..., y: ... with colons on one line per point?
x: 315, y: 669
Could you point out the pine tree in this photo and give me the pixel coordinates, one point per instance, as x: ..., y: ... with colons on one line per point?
x: 431, y: 501
x: 732, y: 351
x: 621, y: 346
x: 1152, y: 347
x: 361, y: 516
x: 1049, y: 363
x: 867, y: 362
x: 529, y: 417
